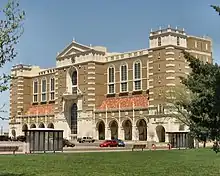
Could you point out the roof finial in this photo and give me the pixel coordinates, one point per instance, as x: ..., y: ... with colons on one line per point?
x: 168, y: 25
x: 151, y: 30
x: 160, y: 27
x: 176, y: 27
x: 183, y: 29
x: 74, y: 39
x: 90, y: 45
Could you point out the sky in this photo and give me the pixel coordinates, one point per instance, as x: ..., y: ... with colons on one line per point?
x: 120, y: 25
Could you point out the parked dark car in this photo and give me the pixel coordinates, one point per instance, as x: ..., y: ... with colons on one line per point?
x: 109, y: 143
x: 120, y: 143
x: 67, y: 143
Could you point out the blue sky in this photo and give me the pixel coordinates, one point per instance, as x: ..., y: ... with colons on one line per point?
x: 120, y: 25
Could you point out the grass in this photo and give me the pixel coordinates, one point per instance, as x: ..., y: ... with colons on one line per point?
x: 202, y: 162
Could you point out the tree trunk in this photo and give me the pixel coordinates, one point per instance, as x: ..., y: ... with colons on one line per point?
x: 204, y: 144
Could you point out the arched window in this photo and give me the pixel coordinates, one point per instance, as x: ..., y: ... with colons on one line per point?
x: 35, y: 90
x: 137, y: 75
x: 74, y: 118
x: 44, y: 90
x: 52, y: 89
x: 74, y: 78
x: 124, y: 77
x: 111, y: 80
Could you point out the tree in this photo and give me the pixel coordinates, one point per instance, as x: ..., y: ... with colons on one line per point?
x: 11, y: 29
x: 203, y: 108
x: 175, y: 98
x: 196, y: 103
x: 216, y: 8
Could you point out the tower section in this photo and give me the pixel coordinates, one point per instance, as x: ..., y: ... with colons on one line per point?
x: 166, y: 64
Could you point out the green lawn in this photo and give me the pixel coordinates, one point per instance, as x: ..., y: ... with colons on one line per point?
x: 202, y: 162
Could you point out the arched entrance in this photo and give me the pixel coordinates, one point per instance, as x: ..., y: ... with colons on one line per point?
x: 50, y: 125
x: 114, y: 129
x: 160, y: 130
x: 33, y: 126
x: 101, y: 130
x: 41, y: 125
x: 74, y: 119
x: 142, y: 130
x: 127, y: 126
x: 24, y: 129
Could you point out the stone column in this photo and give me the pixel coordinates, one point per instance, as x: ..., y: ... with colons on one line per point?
x: 134, y: 133
x: 96, y: 134
x: 122, y: 135
x: 166, y: 137
x: 107, y: 135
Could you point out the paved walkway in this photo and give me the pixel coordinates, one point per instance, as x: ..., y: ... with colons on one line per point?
x: 90, y: 150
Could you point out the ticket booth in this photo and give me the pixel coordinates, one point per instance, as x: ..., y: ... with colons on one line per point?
x: 44, y: 140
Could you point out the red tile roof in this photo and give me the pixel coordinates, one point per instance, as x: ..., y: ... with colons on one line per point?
x: 124, y: 102
x: 40, y: 109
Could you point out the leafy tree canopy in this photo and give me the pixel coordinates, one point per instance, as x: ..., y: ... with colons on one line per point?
x: 203, y: 109
x: 11, y: 29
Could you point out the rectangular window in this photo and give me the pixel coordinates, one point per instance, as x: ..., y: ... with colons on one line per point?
x: 124, y: 87
x: 178, y: 41
x: 43, y: 90
x: 159, y: 41
x: 206, y: 46
x: 52, y: 97
x: 52, y: 84
x: 137, y: 85
x: 35, y: 98
x: 111, y: 88
x: 160, y: 109
x: 43, y: 98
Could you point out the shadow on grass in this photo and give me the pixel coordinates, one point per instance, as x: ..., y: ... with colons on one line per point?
x: 11, y: 174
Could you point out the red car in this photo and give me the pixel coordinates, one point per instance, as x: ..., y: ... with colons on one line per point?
x: 109, y: 143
